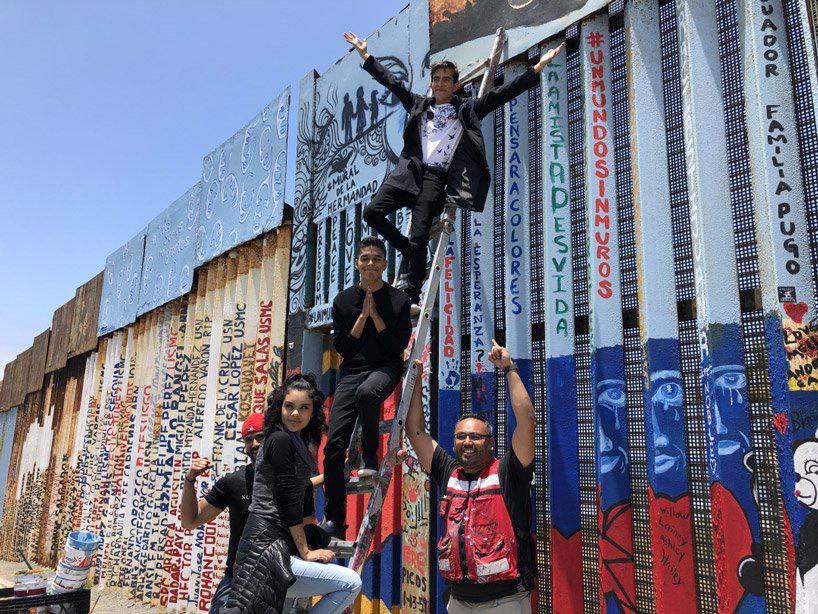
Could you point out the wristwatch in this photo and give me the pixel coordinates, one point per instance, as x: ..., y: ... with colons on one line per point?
x: 510, y: 368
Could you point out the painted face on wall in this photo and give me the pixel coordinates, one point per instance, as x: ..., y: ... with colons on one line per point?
x: 806, y: 474
x: 729, y: 406
x: 667, y: 419
x: 611, y: 426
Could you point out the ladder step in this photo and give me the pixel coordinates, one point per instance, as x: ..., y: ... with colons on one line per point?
x: 342, y: 549
x: 360, y: 486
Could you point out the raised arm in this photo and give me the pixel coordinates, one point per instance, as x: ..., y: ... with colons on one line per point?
x: 380, y: 73
x: 422, y: 443
x: 522, y: 441
x: 498, y: 96
x: 196, y: 513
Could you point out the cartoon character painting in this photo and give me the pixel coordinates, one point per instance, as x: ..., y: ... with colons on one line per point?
x: 806, y: 490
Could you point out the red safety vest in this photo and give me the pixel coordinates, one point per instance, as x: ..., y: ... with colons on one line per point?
x: 478, y: 542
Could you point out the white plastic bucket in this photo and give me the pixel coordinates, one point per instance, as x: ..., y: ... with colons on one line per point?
x: 69, y: 583
x: 76, y: 557
x: 29, y: 582
x: 83, y: 540
x: 73, y: 573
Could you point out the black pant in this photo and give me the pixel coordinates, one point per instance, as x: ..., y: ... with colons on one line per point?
x: 357, y: 394
x: 425, y: 207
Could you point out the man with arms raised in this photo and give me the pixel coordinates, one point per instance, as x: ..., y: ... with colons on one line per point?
x: 485, y: 551
x: 443, y: 159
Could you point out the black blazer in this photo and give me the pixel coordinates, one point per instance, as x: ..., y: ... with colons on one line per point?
x: 468, y: 178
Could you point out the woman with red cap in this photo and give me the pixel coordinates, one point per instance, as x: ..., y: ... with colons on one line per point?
x: 232, y: 491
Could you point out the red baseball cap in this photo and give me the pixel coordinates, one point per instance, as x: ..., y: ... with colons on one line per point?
x: 253, y: 424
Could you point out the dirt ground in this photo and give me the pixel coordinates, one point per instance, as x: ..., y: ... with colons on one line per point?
x: 111, y: 601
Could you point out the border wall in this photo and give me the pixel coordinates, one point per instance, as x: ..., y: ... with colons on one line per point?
x: 648, y: 253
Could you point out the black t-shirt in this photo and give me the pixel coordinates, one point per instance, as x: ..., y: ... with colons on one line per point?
x: 233, y: 491
x: 515, y: 481
x: 373, y: 348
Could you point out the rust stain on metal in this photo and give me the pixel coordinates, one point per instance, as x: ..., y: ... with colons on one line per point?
x: 39, y: 354
x: 83, y: 334
x: 60, y: 337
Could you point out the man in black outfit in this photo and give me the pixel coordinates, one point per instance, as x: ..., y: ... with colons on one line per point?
x: 443, y: 159
x: 485, y: 551
x: 372, y: 327
x: 233, y: 491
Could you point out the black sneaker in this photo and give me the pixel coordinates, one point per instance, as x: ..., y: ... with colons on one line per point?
x: 402, y: 282
x: 333, y: 529
x: 370, y: 466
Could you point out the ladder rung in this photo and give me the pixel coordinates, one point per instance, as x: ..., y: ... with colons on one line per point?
x: 359, y: 486
x: 342, y: 549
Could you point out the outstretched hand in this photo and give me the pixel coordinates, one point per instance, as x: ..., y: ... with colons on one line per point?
x: 358, y: 43
x: 547, y: 57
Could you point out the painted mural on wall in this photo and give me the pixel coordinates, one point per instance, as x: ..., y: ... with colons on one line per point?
x: 120, y: 290
x: 8, y: 420
x: 806, y: 563
x: 104, y: 445
x: 463, y: 30
x: 243, y: 183
x: 354, y: 137
x: 170, y: 252
x: 358, y: 123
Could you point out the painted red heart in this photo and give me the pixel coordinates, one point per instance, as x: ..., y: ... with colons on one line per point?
x: 780, y: 421
x: 796, y: 311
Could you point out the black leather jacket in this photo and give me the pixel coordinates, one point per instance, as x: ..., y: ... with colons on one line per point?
x: 468, y: 177
x: 279, y: 499
x: 262, y: 572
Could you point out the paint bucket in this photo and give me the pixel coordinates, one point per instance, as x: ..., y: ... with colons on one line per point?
x: 74, y: 557
x: 29, y: 582
x: 62, y: 584
x: 74, y: 573
x: 70, y: 578
x: 83, y: 540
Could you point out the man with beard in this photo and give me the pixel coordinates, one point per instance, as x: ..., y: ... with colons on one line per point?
x: 232, y: 491
x: 485, y: 551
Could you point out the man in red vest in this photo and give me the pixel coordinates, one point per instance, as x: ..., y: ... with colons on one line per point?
x: 485, y: 551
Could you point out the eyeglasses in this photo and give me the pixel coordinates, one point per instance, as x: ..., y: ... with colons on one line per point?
x: 472, y: 436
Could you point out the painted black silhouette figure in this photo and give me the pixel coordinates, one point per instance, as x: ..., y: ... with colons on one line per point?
x: 346, y: 118
x: 373, y: 108
x: 360, y: 112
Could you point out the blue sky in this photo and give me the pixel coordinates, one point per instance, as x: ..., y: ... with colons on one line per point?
x: 107, y: 109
